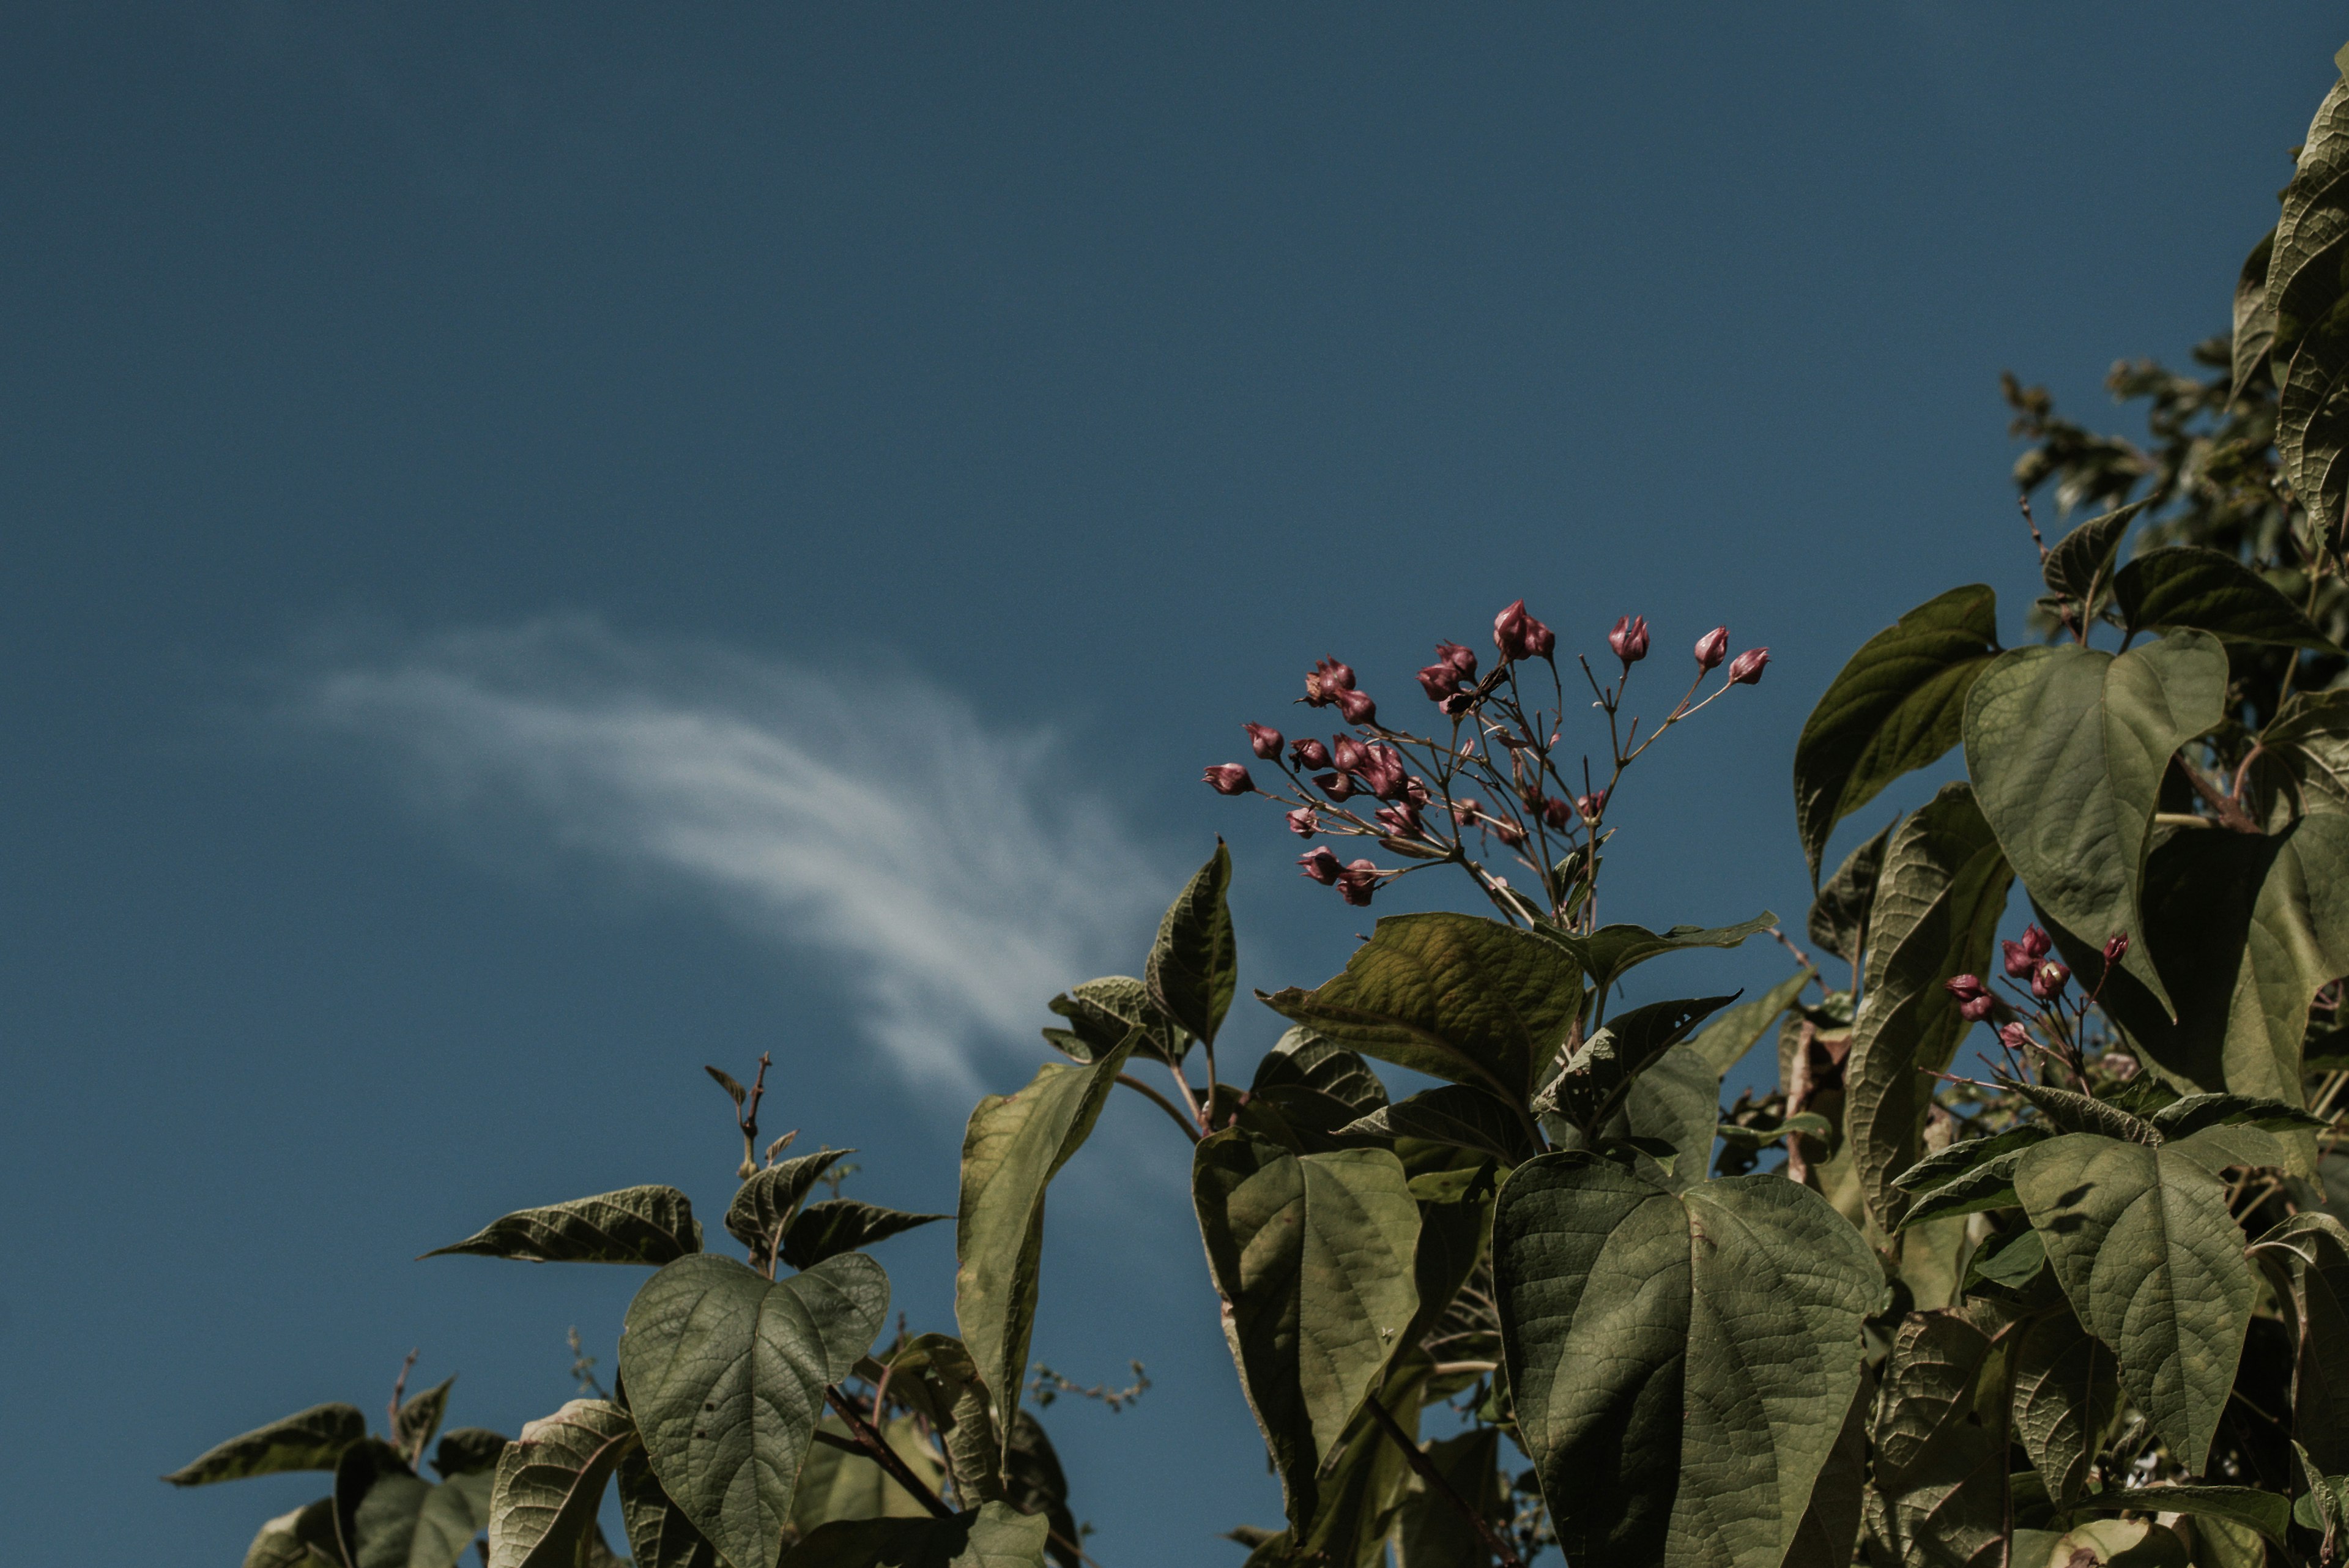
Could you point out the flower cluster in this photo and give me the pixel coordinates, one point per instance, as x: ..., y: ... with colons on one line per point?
x: 1489, y: 786
x: 2029, y: 963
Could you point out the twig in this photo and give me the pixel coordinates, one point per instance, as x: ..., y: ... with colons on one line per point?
x: 398, y: 1389
x: 1162, y: 1101
x: 1503, y: 1552
x: 883, y: 1455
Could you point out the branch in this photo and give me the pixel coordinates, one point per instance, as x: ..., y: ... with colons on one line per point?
x: 1501, y: 1549
x: 1162, y: 1101
x: 883, y: 1455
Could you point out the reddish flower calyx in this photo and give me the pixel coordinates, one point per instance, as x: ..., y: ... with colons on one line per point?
x: 1974, y: 1000
x: 1357, y: 706
x: 1304, y: 822
x: 1325, y: 680
x: 2116, y: 948
x: 1229, y: 778
x: 1461, y: 659
x: 1263, y: 740
x: 1320, y: 864
x: 1310, y: 752
x: 1519, y: 636
x: 1745, y: 670
x: 1401, y: 821
x: 1629, y: 638
x: 1357, y: 882
x: 1592, y: 805
x: 2020, y: 958
x: 1337, y: 786
x: 1712, y: 648
x: 2048, y: 982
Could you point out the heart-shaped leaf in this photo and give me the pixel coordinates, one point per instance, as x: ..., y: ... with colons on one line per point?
x: 726, y: 1372
x: 660, y: 1535
x: 1897, y: 705
x: 1681, y: 1363
x: 2144, y: 1245
x: 635, y: 1225
x: 2067, y: 747
x: 2080, y: 566
x: 311, y: 1439
x: 1452, y: 996
x: 1313, y: 1257
x: 550, y: 1482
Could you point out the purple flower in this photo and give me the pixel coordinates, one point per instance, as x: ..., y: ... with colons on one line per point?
x: 1974, y: 1000
x: 1712, y: 648
x: 2016, y: 1037
x: 1337, y: 786
x: 1439, y: 681
x: 1229, y: 778
x: 2115, y: 949
x: 1464, y: 810
x: 1746, y: 668
x: 1630, y: 639
x: 1592, y: 805
x: 1459, y: 658
x: 1519, y: 636
x: 1320, y: 864
x: 2020, y: 958
x: 1381, y: 770
x: 1325, y: 680
x: 1401, y: 820
x: 1310, y: 752
x: 1557, y: 814
x: 2048, y: 982
x: 1263, y: 740
x: 1357, y: 706
x: 1349, y: 754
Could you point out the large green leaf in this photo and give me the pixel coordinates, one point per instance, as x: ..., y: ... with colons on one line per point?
x: 1313, y: 1258
x: 635, y: 1225
x: 660, y: 1535
x: 2265, y: 1511
x: 1611, y: 952
x: 1599, y: 1077
x: 2142, y: 1243
x: 2310, y: 1251
x: 1838, y: 918
x: 726, y: 1372
x: 303, y: 1538
x: 1431, y: 1533
x: 376, y: 1500
x: 2304, y: 293
x: 839, y: 1225
x: 1897, y: 705
x: 1011, y: 1149
x: 1449, y: 995
x: 1676, y: 1104
x: 1936, y: 1502
x: 1363, y: 1487
x: 2066, y: 747
x: 1681, y: 1363
x: 1830, y: 1526
x: 311, y: 1439
x: 1195, y: 963
x: 1033, y: 1483
x: 451, y: 1516
x: 2065, y: 1394
x: 2245, y: 928
x: 765, y: 1204
x: 994, y: 1536
x: 1938, y: 904
x: 2205, y: 589
x: 551, y: 1482
x: 1457, y: 1115
x: 468, y: 1450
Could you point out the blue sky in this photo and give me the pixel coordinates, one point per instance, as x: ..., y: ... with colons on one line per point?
x: 554, y: 546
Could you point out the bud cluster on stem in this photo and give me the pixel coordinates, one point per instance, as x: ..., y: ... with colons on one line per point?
x: 1490, y: 784
x: 2041, y: 983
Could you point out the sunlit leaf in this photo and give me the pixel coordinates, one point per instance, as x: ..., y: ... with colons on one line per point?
x: 635, y: 1225
x: 551, y: 1481
x: 1195, y: 961
x: 1936, y: 1498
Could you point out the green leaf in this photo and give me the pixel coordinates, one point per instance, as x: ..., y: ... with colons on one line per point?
x: 2080, y: 566
x: 1976, y: 1190
x: 1838, y: 918
x: 2264, y: 1512
x: 2310, y: 734
x: 2012, y: 1260
x: 1363, y: 1487
x: 995, y: 1536
x: 311, y: 1439
x: 1725, y: 1042
x: 1896, y: 706
x: 635, y: 1225
x: 301, y: 1538
x: 1103, y: 1011
x: 726, y: 1372
x: 764, y: 1205
x: 551, y: 1480
x: 1938, y: 904
x: 941, y: 1381
x: 1195, y: 963
x: 376, y: 1497
x: 1681, y: 1363
x: 419, y: 1418
x: 2143, y: 1243
x: 453, y: 1514
x: 2072, y: 1112
x: 1966, y: 1154
x: 836, y: 1484
x: 839, y: 1225
x: 2119, y: 1543
x: 2189, y: 586
x: 2066, y: 747
x: 1457, y: 1115
x: 1675, y: 1108
x: 2066, y: 1395
x: 2192, y: 1113
x: 1610, y: 951
x: 2309, y: 1253
x: 1830, y: 1526
x: 2304, y: 291
x: 468, y: 1450
x: 1431, y: 1533
x: 1600, y: 1074
x: 1011, y: 1149
x: 2254, y: 318
x: 1313, y: 1257
x: 1452, y: 996
x: 1937, y: 1499
x: 1034, y: 1484
x: 1320, y: 1089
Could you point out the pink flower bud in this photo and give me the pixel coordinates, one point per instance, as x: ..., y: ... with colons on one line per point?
x: 1325, y: 680
x: 1464, y: 810
x: 1977, y: 1010
x: 1974, y: 1000
x: 1229, y: 778
x: 1557, y: 814
x: 1263, y: 740
x: 1629, y: 638
x: 1349, y: 752
x: 1357, y: 882
x: 2016, y: 1037
x: 1746, y: 668
x: 1712, y: 648
x: 1382, y: 771
x: 1304, y: 822
x: 2116, y: 948
x: 1310, y: 752
x: 2018, y: 958
x: 1403, y: 820
x: 1509, y: 832
x: 1519, y: 636
x: 1416, y: 792
x: 2048, y: 982
x: 1459, y: 702
x: 1459, y: 658
x: 1337, y: 786
x: 1592, y: 805
x: 1357, y: 707
x: 1320, y: 864
x: 1439, y: 681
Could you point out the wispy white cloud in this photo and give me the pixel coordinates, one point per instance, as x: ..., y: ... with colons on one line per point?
x: 952, y: 874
